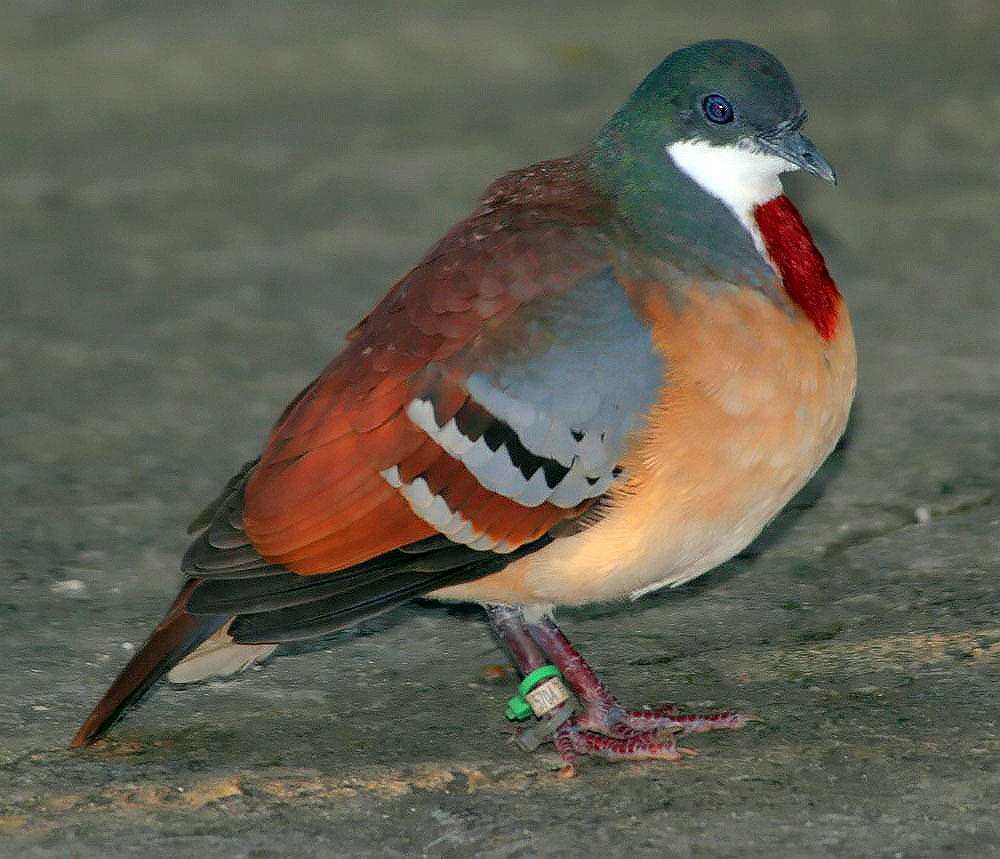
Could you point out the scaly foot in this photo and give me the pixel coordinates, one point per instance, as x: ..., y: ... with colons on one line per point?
x: 605, y: 728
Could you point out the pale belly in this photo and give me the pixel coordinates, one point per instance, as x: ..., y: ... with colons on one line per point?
x: 753, y: 402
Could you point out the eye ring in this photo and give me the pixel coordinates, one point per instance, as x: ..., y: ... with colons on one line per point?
x: 717, y: 109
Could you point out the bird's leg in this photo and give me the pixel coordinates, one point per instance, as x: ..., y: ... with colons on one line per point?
x: 605, y: 728
x: 603, y: 712
x: 508, y: 624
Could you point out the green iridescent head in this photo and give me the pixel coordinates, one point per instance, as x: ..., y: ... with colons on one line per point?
x: 721, y: 92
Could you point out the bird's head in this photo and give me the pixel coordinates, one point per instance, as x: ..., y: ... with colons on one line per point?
x: 726, y: 114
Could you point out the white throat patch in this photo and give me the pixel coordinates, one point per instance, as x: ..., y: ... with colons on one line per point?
x: 740, y: 178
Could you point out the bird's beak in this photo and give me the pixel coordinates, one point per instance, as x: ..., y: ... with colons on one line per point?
x: 799, y: 150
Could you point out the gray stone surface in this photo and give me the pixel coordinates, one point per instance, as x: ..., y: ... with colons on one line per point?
x: 199, y: 199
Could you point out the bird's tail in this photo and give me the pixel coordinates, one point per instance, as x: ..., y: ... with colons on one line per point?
x: 178, y: 634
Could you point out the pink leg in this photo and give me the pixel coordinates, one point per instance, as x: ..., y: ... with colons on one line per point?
x: 605, y: 728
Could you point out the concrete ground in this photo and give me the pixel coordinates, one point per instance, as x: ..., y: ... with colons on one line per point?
x: 199, y: 199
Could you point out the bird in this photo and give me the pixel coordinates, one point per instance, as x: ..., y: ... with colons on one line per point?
x: 606, y: 380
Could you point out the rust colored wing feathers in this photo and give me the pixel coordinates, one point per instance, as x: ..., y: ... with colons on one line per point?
x: 316, y: 502
x: 354, y: 506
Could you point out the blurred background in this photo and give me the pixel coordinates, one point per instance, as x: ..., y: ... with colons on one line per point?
x: 198, y: 200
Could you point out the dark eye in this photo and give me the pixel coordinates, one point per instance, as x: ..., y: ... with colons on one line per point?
x: 717, y: 109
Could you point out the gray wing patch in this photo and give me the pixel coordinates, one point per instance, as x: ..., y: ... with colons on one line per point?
x: 550, y: 408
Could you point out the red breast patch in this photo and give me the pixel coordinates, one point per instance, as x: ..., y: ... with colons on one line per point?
x: 803, y: 271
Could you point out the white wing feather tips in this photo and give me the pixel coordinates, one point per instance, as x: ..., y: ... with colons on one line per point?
x: 589, y: 457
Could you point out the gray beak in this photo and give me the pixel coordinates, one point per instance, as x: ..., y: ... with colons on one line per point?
x: 799, y: 150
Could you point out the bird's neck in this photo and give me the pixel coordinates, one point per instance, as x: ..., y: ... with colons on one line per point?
x: 747, y: 182
x: 744, y: 233
x: 740, y: 178
x: 671, y: 216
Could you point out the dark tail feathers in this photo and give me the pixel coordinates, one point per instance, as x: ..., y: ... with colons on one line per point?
x: 177, y: 635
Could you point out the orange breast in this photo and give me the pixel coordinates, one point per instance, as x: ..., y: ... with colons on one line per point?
x: 754, y: 400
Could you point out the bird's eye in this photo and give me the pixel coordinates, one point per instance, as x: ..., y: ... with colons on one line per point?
x: 717, y: 109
